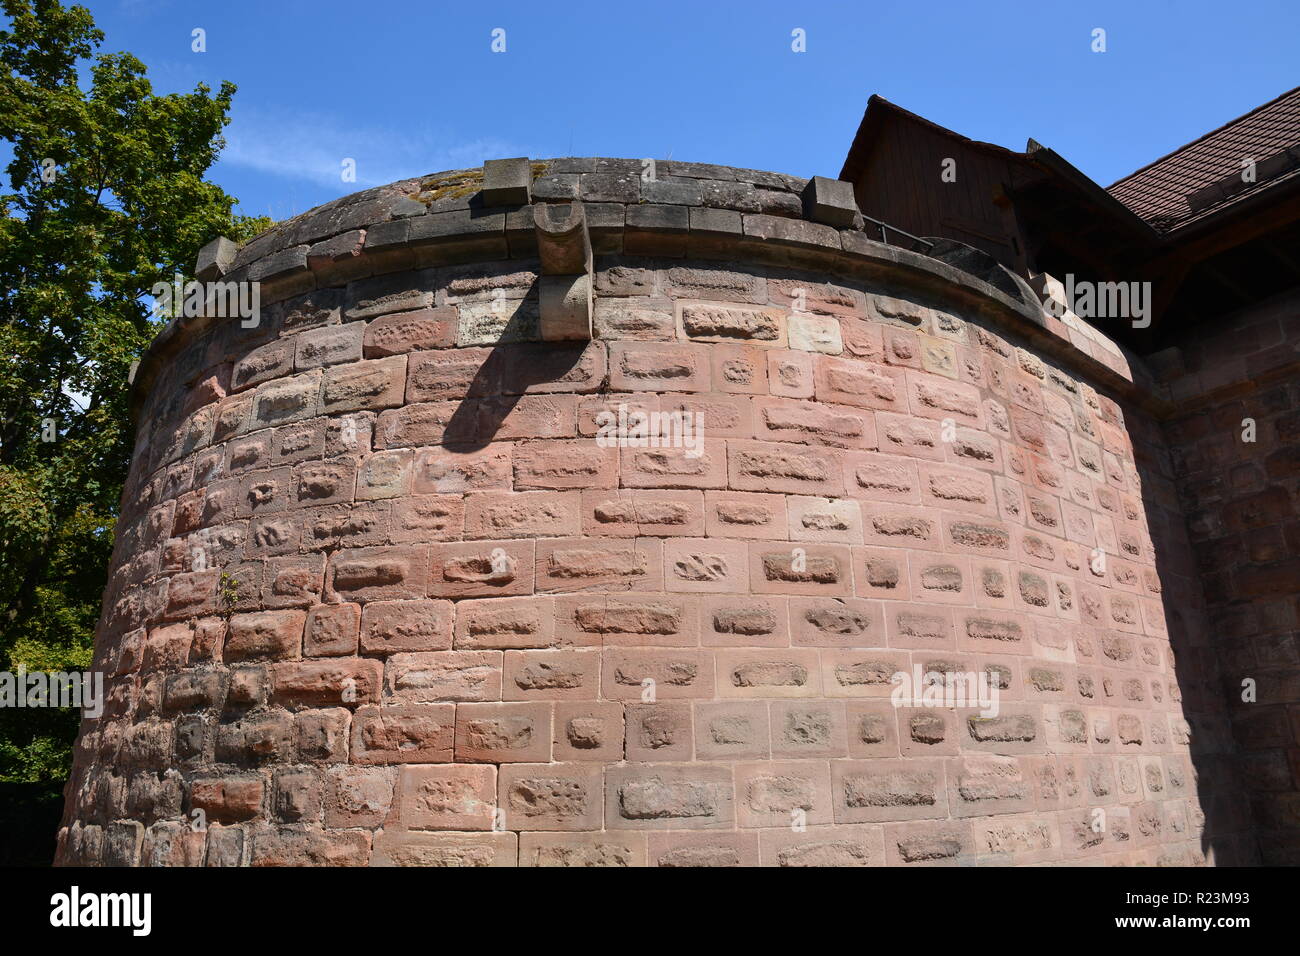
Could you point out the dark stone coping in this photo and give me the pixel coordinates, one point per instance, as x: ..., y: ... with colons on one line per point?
x: 690, y: 211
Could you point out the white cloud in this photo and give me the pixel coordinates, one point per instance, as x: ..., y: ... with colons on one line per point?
x: 311, y: 147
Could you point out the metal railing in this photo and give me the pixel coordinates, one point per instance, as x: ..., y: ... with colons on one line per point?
x: 885, y: 229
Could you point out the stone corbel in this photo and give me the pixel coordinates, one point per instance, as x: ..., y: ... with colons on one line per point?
x: 564, y: 247
x: 215, y: 259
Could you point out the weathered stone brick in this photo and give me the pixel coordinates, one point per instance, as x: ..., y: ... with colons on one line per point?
x: 552, y: 796
x: 326, y: 683
x: 410, y: 332
x: 564, y: 465
x: 450, y: 375
x: 418, y: 848
x: 328, y: 346
x: 623, y: 513
x: 284, y: 400
x: 455, y: 471
x: 378, y: 574
x: 497, y: 321
x: 503, y: 732
x: 666, y: 467
x: 983, y: 785
x: 317, y: 308
x: 776, y: 793
x: 228, y: 799
x: 389, y: 627
x: 371, y: 384
x: 331, y: 630
x: 931, y: 397
x: 321, y: 736
x: 270, y: 635
x: 815, y: 333
x: 530, y: 416
x: 292, y: 581
x: 586, y: 730
x: 580, y: 564
x: 421, y: 733
x: 582, y: 849
x: 422, y: 518
x: 648, y: 366
x: 550, y: 674
x: 324, y: 482
x: 357, y: 797
x: 800, y: 568
x: 712, y: 322
x: 296, y: 796
x: 384, y: 475
x: 889, y: 790
x: 448, y: 797
x: 332, y: 526
x: 424, y: 424
x: 628, y: 673
x: 639, y: 318
x: 703, y: 849
x: 764, y: 466
x: 784, y: 420
x: 263, y: 364
x: 309, y: 848
x: 482, y: 569
x: 193, y: 594
x: 920, y: 626
x: 444, y: 675
x: 715, y: 284
x: 706, y: 565
x: 852, y: 382
x: 768, y: 673
x: 369, y: 298
x: 669, y: 797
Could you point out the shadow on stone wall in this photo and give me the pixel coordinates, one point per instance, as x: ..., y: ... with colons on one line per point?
x: 516, y: 364
x: 1227, y: 836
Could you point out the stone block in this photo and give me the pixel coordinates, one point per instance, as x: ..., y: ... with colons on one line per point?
x: 507, y: 182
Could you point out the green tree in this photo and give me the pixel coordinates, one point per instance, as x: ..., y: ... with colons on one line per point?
x: 105, y: 197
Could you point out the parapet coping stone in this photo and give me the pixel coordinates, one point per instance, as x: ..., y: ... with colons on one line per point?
x: 438, y: 220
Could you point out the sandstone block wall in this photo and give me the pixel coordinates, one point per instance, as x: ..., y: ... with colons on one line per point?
x: 380, y: 596
x: 1235, y: 445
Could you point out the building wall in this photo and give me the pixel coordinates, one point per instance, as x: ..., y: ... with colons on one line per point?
x: 930, y: 183
x: 1235, y: 443
x: 381, y: 596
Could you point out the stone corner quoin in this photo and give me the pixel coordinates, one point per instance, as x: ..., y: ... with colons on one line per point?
x: 387, y: 590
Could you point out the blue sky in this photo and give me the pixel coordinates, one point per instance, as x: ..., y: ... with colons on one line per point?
x: 406, y: 88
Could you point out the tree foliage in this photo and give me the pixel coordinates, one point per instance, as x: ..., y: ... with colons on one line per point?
x: 104, y: 196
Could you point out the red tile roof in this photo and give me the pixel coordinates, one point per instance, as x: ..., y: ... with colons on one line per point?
x: 1204, y: 177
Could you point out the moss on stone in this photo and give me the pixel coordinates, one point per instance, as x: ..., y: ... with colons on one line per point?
x: 461, y: 184
x: 454, y: 186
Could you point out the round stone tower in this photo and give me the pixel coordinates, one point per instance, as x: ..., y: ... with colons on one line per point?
x: 610, y: 512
